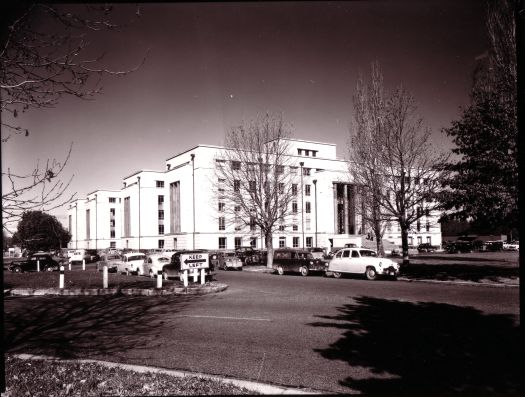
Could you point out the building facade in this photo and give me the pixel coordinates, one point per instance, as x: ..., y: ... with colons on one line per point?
x: 177, y: 208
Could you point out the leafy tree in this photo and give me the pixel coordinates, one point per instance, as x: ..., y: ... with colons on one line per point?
x: 254, y: 179
x: 44, y: 57
x: 483, y: 186
x: 392, y: 158
x: 40, y: 231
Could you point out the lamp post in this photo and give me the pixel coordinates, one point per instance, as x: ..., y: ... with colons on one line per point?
x: 315, y: 205
x: 302, y: 203
x: 193, y: 195
x: 138, y: 181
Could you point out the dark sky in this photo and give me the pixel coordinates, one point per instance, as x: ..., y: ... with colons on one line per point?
x: 212, y: 65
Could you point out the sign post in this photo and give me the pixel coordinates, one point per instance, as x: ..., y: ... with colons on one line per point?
x: 203, y: 276
x: 37, y: 265
x: 194, y: 262
x: 105, y: 276
x: 159, y: 278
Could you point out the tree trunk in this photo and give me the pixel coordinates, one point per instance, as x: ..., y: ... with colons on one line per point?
x: 379, y: 244
x: 269, y: 249
x: 404, y: 243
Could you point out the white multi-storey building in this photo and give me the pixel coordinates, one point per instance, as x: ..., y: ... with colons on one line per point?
x: 177, y: 207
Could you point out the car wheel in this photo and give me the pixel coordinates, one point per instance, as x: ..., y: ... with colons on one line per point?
x: 151, y: 274
x: 280, y: 270
x: 127, y: 272
x: 304, y: 271
x: 17, y: 269
x: 48, y: 269
x: 337, y: 274
x: 165, y: 275
x: 371, y: 273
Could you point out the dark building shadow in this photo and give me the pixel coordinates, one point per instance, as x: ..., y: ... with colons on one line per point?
x: 426, y: 348
x: 75, y: 327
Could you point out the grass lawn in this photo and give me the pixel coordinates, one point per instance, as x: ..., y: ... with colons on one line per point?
x: 77, y: 278
x: 55, y: 378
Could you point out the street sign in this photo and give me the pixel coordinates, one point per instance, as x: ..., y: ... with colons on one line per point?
x: 194, y: 261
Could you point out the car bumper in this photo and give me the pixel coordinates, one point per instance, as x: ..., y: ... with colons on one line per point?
x: 389, y: 271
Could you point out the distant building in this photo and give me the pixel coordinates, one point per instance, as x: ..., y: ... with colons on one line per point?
x: 156, y: 209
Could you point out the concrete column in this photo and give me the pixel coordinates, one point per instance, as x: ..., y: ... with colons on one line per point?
x: 334, y: 189
x: 345, y: 204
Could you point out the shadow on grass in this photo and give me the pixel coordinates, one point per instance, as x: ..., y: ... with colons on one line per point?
x: 457, y: 271
x: 425, y: 348
x: 465, y: 258
x: 72, y: 327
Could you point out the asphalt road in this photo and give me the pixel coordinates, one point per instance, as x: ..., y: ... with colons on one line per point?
x: 333, y: 335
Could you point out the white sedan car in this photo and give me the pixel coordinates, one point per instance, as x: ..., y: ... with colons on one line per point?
x: 512, y: 246
x: 132, y: 262
x: 362, y: 261
x: 155, y: 262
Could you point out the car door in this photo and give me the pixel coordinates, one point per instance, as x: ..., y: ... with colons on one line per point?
x: 350, y: 261
x: 336, y: 263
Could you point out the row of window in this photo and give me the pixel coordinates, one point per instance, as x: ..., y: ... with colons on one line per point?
x: 223, y: 242
x: 236, y: 166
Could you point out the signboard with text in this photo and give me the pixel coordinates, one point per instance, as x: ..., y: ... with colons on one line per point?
x: 194, y: 261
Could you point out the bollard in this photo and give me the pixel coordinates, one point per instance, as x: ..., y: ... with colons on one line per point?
x: 203, y: 276
x: 37, y: 265
x: 185, y: 278
x: 195, y: 275
x: 105, y: 276
x: 61, y: 277
x: 83, y: 264
x: 159, y: 279
x: 69, y: 263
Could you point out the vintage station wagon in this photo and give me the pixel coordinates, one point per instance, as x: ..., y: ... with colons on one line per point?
x: 296, y: 261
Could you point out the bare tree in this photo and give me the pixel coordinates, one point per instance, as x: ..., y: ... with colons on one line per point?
x: 44, y: 56
x: 393, y: 158
x: 254, y: 179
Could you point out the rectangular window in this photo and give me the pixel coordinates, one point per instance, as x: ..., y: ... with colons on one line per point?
x: 127, y: 224
x: 428, y: 226
x: 309, y: 242
x: 279, y: 169
x: 307, y: 153
x: 281, y: 188
x: 236, y: 185
x: 237, y: 242
x: 282, y: 242
x: 161, y: 244
x: 237, y: 208
x: 111, y: 234
x: 293, y: 170
x: 221, y: 186
x: 88, y: 224
x: 222, y: 223
x: 308, y: 207
x: 159, y: 183
x: 252, y: 223
x: 307, y: 190
x: 221, y: 206
x: 307, y: 223
x: 429, y: 240
x: 112, y: 244
x: 418, y: 225
x: 175, y: 246
x: 306, y: 171
x: 236, y: 165
x: 112, y: 200
x: 427, y: 212
x: 161, y: 229
x: 160, y: 199
x: 314, y: 153
x: 175, y: 209
x: 219, y: 163
x: 295, y: 242
x: 111, y: 212
x: 295, y: 227
x: 161, y: 215
x: 281, y: 228
x: 253, y: 242
x: 294, y: 207
x: 252, y: 186
x: 294, y: 189
x: 299, y: 152
x: 222, y: 243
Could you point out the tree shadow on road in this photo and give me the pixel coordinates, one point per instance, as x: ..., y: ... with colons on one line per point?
x: 458, y: 272
x: 425, y: 348
x: 75, y: 327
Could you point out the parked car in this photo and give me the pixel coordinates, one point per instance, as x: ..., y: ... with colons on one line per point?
x: 427, y: 247
x: 494, y: 245
x: 173, y: 269
x: 362, y: 261
x: 244, y: 252
x: 132, y: 263
x: 109, y: 260
x: 259, y: 258
x: 512, y: 246
x: 229, y: 260
x: 46, y: 262
x: 296, y: 260
x: 459, y: 246
x: 317, y: 253
x: 155, y: 262
x: 80, y: 255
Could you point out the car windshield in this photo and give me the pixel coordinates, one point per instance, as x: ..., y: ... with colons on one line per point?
x: 136, y: 258
x: 110, y: 257
x: 230, y: 254
x: 317, y: 250
x: 164, y: 259
x: 368, y: 253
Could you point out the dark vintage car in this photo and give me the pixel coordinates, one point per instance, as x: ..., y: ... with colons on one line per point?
x: 29, y: 264
x: 173, y: 269
x: 426, y: 247
x: 295, y: 260
x: 244, y: 252
x: 459, y: 246
x: 258, y: 258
